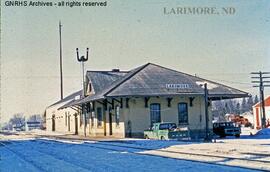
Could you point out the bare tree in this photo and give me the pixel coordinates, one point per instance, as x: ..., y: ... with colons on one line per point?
x: 244, y: 106
x: 256, y: 99
x: 35, y: 118
x: 17, y: 119
x: 250, y: 103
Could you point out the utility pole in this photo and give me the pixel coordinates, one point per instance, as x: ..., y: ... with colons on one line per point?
x: 61, y: 61
x: 206, y: 101
x: 260, y: 81
x: 83, y: 59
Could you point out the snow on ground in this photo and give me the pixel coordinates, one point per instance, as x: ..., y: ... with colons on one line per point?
x: 147, y: 144
x: 49, y: 155
x: 55, y: 154
x: 18, y: 135
x: 264, y: 133
x: 246, y: 131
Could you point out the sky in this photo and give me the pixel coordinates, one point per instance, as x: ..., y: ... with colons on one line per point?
x: 126, y: 34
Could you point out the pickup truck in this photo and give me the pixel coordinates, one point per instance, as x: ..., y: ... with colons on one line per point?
x: 166, y: 131
x: 224, y: 129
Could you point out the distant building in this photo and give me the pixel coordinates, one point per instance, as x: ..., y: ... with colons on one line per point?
x: 63, y: 120
x: 125, y: 103
x: 257, y: 111
x: 30, y: 125
x: 34, y: 122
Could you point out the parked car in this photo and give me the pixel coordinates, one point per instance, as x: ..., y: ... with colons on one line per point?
x: 224, y: 129
x: 166, y: 131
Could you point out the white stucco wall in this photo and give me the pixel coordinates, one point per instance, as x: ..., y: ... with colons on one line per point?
x: 61, y: 122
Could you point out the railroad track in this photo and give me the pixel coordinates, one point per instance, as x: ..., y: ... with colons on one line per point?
x: 187, y: 153
x: 106, y: 145
x: 161, y: 152
x: 21, y: 156
x: 36, y: 163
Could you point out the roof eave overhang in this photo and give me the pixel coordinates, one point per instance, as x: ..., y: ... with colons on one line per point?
x: 227, y: 96
x: 211, y: 96
x: 154, y: 95
x: 72, y: 103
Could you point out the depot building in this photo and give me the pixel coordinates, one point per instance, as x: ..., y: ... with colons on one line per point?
x: 124, y: 103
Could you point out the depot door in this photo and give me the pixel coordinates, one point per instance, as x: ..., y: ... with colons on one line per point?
x: 53, y: 123
x: 68, y: 122
x: 76, y: 123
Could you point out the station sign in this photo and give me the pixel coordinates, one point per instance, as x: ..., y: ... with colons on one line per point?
x: 177, y: 86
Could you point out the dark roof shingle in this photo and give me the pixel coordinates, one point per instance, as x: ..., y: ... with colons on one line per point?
x: 68, y: 98
x: 152, y: 80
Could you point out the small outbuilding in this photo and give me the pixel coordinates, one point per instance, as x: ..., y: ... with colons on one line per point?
x: 257, y: 111
x: 125, y: 103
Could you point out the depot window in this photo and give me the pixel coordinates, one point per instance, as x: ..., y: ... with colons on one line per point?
x: 183, y: 113
x: 155, y: 113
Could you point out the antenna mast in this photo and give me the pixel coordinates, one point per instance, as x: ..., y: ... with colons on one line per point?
x: 61, y: 67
